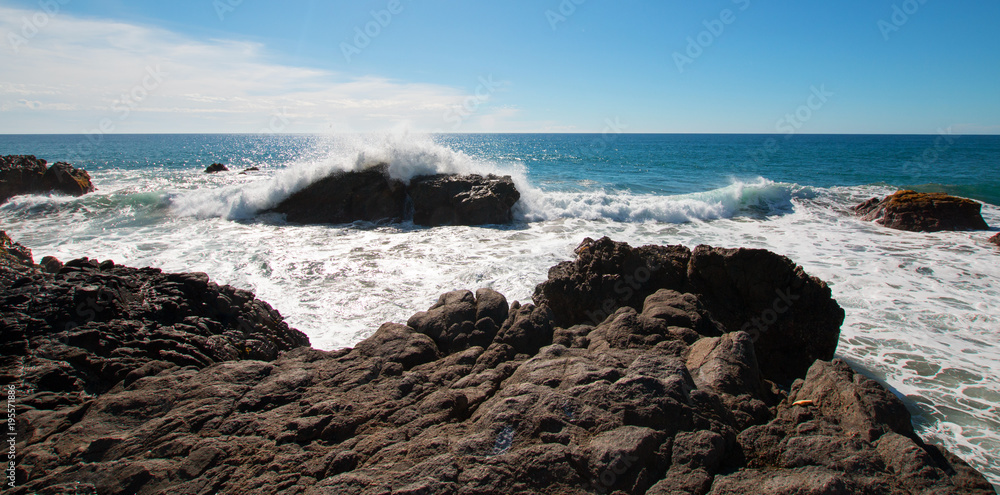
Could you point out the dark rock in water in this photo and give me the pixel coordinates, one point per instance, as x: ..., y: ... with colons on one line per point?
x: 215, y: 168
x: 64, y: 178
x: 472, y: 396
x: 923, y: 212
x: 369, y: 195
x: 251, y: 169
x: 25, y: 174
x: 785, y: 311
x: 462, y: 200
x: 995, y: 239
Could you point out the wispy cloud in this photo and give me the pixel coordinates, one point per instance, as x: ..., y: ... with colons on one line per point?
x: 76, y: 72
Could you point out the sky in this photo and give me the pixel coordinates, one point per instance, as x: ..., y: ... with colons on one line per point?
x: 682, y: 66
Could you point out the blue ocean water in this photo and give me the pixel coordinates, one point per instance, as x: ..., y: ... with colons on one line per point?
x: 921, y: 308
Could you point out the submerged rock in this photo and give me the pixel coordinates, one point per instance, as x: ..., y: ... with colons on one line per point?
x: 371, y: 195
x: 923, y: 212
x: 215, y: 168
x: 25, y: 174
x: 472, y: 396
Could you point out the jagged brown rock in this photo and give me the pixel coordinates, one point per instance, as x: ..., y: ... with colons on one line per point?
x: 923, y: 212
x: 787, y: 312
x: 25, y: 174
x: 477, y: 397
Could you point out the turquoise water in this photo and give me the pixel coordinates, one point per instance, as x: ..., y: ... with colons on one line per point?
x: 921, y: 308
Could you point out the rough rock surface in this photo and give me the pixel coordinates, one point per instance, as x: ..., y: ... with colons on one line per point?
x: 215, y: 168
x: 995, y: 239
x: 371, y: 195
x: 923, y: 212
x: 477, y: 397
x: 25, y: 174
x: 786, y: 312
x: 462, y: 200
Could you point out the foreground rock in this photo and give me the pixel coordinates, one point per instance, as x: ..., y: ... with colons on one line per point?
x: 25, y: 174
x: 371, y: 195
x: 479, y: 396
x: 923, y: 212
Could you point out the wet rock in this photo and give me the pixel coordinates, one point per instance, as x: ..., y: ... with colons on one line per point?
x: 923, y: 212
x: 64, y: 178
x: 25, y: 174
x: 462, y: 199
x: 369, y: 195
x: 995, y: 240
x: 216, y: 168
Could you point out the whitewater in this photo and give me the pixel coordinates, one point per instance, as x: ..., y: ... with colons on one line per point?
x: 921, y: 308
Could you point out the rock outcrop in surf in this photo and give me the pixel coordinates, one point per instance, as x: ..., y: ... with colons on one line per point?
x: 26, y: 174
x: 923, y: 212
x: 430, y: 200
x: 474, y: 395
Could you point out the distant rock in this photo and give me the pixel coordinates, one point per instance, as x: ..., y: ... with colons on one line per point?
x: 923, y: 212
x: 215, y: 168
x: 371, y: 195
x: 155, y: 393
x: 462, y: 199
x: 248, y: 170
x: 25, y: 174
x: 63, y: 178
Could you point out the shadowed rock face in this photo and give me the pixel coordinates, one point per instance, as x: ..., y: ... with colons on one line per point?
x: 462, y: 200
x: 786, y: 312
x: 923, y: 212
x: 477, y: 396
x: 25, y: 174
x: 371, y: 195
x: 995, y: 240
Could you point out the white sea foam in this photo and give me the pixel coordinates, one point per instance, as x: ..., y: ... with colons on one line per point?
x: 407, y: 155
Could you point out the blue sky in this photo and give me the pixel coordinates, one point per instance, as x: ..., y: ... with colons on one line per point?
x: 852, y: 66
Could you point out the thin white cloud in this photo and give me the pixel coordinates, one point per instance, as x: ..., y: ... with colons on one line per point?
x: 77, y: 72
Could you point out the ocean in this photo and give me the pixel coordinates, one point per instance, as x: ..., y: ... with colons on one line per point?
x: 923, y: 310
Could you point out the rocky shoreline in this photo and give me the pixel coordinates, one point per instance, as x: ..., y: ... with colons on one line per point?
x: 658, y: 369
